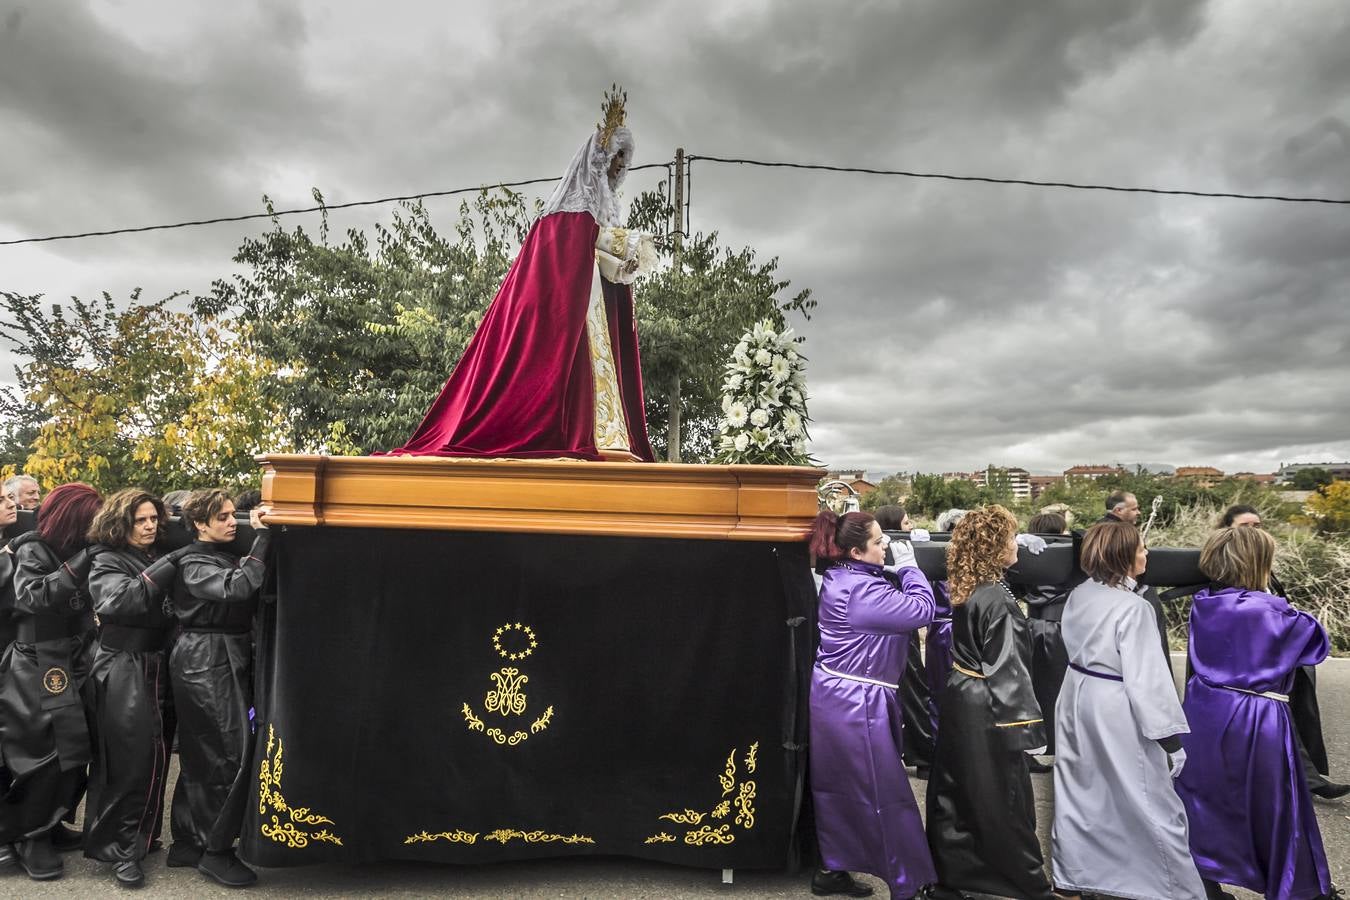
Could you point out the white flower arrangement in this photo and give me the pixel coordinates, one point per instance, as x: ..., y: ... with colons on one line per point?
x: 764, y: 401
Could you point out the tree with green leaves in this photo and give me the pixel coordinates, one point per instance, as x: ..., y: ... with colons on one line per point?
x: 1311, y: 479
x: 137, y: 394
x: 364, y: 332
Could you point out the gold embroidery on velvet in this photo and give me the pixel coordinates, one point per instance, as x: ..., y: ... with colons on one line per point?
x: 505, y: 631
x: 706, y: 835
x: 611, y: 428
x: 270, y: 798
x: 500, y: 836
x: 507, y: 699
x: 512, y: 641
x: 506, y: 835
x: 688, y: 817
x: 457, y: 836
x: 662, y: 838
x: 737, y: 795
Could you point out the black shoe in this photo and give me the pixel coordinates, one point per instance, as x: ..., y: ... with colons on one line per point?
x: 938, y: 892
x: 825, y: 884
x: 1036, y: 767
x: 227, y: 869
x: 1330, y: 790
x: 40, y: 860
x: 155, y: 846
x: 65, y: 839
x: 1333, y: 894
x: 129, y: 873
x: 183, y: 855
x: 8, y: 856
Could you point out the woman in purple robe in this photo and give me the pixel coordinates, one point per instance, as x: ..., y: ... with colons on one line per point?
x: 1251, y: 815
x: 866, y: 816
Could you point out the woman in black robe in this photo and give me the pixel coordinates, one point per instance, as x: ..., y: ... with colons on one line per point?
x: 211, y: 669
x: 916, y: 699
x: 44, y: 733
x: 128, y: 682
x: 981, y: 814
x: 9, y: 513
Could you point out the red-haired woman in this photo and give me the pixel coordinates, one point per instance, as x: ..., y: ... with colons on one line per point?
x: 981, y: 813
x: 866, y: 817
x: 43, y: 730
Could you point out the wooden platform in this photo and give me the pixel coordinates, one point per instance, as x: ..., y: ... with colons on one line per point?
x: 671, y: 500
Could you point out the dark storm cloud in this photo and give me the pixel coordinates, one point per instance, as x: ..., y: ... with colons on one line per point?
x: 958, y: 324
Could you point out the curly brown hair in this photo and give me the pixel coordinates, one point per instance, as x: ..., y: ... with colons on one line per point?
x: 114, y: 521
x: 975, y: 554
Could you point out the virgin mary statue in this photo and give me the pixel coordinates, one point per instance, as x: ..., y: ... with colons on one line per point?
x: 553, y: 369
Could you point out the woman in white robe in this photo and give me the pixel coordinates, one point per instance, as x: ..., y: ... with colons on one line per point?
x: 1120, y: 828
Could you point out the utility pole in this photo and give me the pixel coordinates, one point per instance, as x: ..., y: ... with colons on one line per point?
x: 673, y: 391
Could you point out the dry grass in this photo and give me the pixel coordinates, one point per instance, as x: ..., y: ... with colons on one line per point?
x: 1315, y: 570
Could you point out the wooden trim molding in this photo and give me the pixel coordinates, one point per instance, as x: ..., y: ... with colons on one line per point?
x: 749, y: 503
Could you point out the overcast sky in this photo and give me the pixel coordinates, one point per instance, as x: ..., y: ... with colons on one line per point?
x: 958, y: 325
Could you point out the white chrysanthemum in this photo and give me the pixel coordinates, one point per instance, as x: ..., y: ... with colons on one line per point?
x: 792, y: 355
x: 792, y: 422
x: 762, y: 357
x: 737, y: 415
x: 779, y: 368
x: 742, y: 442
x: 799, y: 446
x: 742, y: 349
x: 735, y: 381
x: 759, y: 418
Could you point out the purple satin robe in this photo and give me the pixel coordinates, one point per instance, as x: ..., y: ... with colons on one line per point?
x: 866, y: 816
x: 1251, y: 815
x: 938, y: 648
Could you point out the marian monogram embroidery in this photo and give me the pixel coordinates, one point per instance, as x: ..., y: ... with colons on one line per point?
x: 514, y: 641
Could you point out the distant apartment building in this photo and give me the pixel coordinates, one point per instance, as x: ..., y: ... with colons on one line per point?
x: 1339, y: 471
x: 1040, y: 482
x: 1019, y: 480
x: 1093, y: 472
x: 854, y: 478
x: 1262, y: 479
x: 1205, y: 476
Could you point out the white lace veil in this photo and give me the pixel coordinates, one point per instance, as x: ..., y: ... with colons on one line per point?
x: 587, y: 186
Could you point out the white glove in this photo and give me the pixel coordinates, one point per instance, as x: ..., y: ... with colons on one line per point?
x: 1033, y: 542
x: 1178, y: 762
x: 920, y: 534
x: 903, y: 554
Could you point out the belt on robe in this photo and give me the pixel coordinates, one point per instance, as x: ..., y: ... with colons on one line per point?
x: 1086, y: 671
x: 827, y: 670
x: 1269, y: 695
x: 964, y: 671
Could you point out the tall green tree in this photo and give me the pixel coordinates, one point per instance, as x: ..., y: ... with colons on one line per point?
x: 136, y: 394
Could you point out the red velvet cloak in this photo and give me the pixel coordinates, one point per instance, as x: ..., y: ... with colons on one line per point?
x: 525, y: 386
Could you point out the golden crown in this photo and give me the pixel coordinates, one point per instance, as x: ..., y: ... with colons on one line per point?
x: 613, y: 112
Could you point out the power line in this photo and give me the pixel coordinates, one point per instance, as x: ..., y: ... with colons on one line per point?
x: 1080, y: 186
x: 818, y: 167
x: 292, y: 212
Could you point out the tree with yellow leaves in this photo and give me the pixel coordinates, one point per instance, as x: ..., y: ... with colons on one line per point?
x: 1329, y: 507
x: 139, y: 394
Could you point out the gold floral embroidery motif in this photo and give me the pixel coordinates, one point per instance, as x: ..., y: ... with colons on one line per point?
x: 611, y: 428
x: 513, y: 641
x: 706, y: 835
x: 457, y: 836
x: 662, y: 838
x: 270, y: 798
x: 506, y: 835
x: 500, y: 836
x: 618, y: 242
x: 743, y: 802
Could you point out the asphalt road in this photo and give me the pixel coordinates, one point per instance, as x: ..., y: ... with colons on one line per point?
x: 619, y: 878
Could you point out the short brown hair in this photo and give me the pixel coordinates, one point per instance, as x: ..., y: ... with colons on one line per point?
x: 1047, y: 523
x: 114, y: 521
x: 1108, y: 552
x: 1239, y: 557
x: 201, y: 507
